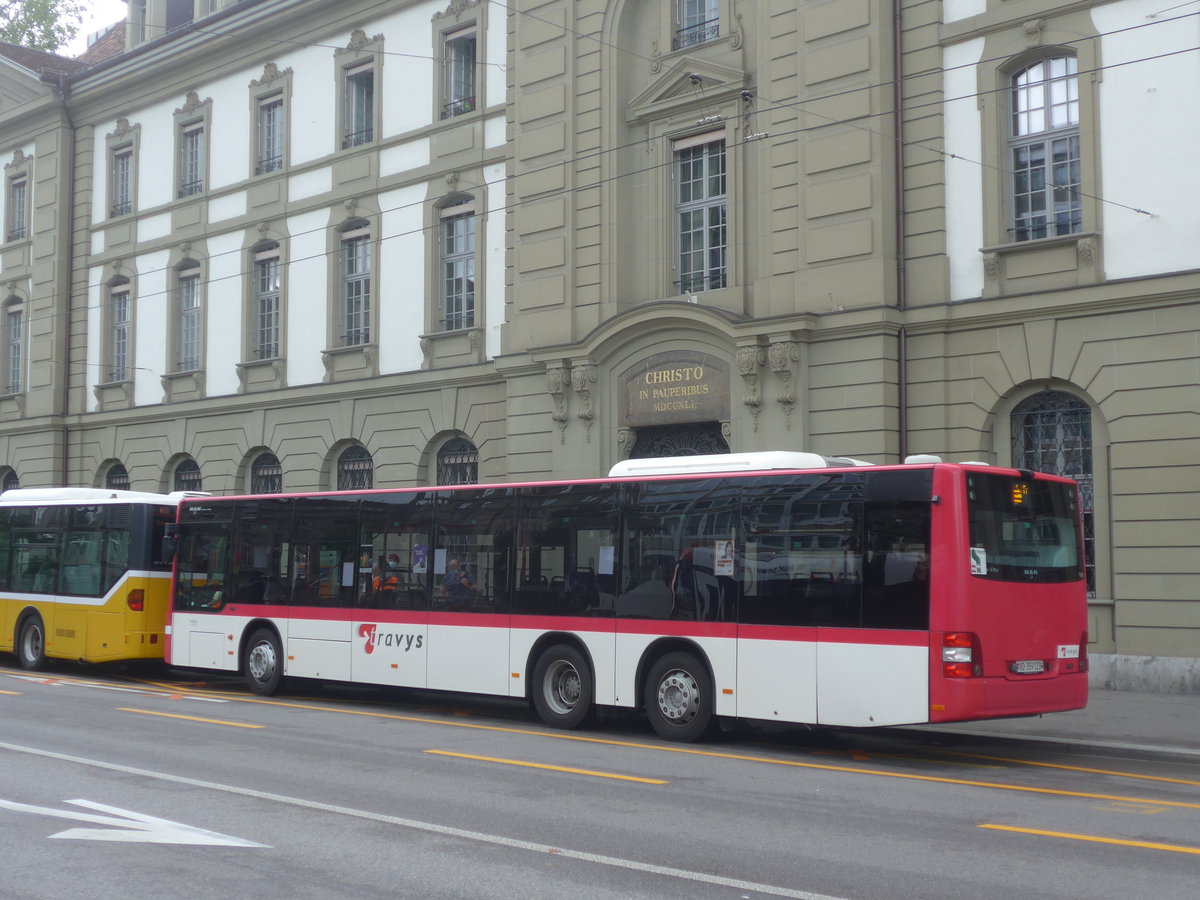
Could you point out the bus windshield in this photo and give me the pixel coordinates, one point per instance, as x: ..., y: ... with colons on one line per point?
x: 1022, y: 529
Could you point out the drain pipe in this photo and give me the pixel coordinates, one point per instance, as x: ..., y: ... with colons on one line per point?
x: 901, y: 250
x: 68, y: 276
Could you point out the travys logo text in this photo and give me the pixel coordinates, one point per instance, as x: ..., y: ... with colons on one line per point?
x: 376, y: 638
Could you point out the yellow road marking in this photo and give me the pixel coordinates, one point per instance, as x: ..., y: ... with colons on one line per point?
x: 694, y: 751
x: 533, y: 765
x: 147, y: 712
x: 1084, y: 769
x: 11, y: 693
x: 1141, y: 845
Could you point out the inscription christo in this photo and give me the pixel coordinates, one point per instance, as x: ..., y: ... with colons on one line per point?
x: 667, y: 390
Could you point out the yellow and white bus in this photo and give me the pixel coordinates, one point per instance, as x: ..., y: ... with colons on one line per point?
x: 82, y: 576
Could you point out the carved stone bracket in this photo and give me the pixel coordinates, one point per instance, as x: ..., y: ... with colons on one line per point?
x: 626, y: 438
x: 581, y: 377
x: 123, y: 128
x: 991, y: 266
x: 1033, y: 31
x: 426, y: 353
x: 782, y: 355
x: 749, y: 361
x: 19, y: 159
x: 191, y: 103
x: 556, y: 385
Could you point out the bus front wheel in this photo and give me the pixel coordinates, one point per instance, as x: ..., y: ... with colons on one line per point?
x: 562, y: 687
x: 679, y: 698
x: 264, y: 662
x: 31, y: 644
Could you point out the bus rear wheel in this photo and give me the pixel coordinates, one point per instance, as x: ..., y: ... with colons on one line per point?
x: 679, y: 698
x: 31, y: 643
x: 562, y: 687
x: 263, y: 663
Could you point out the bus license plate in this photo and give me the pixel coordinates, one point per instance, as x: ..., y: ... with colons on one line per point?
x: 1029, y: 666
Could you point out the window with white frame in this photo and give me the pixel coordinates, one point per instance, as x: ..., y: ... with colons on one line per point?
x: 191, y: 159
x: 188, y: 336
x: 356, y: 287
x: 698, y: 22
x: 1044, y: 145
x: 14, y: 347
x: 122, y: 181
x: 265, y: 314
x: 270, y: 127
x: 18, y: 208
x: 459, y: 76
x: 458, y: 266
x: 119, y: 321
x: 358, y: 118
x: 700, y: 212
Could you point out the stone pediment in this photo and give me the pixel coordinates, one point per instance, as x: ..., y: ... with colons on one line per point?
x: 686, y: 82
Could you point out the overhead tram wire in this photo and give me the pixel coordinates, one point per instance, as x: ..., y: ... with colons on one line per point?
x: 773, y: 105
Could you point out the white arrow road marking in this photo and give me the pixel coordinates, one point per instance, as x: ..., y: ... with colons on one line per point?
x: 133, y: 827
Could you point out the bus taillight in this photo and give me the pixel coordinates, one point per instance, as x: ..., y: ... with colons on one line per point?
x: 960, y: 655
x: 136, y: 600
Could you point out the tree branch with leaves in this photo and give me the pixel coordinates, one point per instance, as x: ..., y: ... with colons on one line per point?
x: 40, y: 24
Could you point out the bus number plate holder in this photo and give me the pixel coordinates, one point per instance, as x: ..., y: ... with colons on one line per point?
x: 1028, y: 666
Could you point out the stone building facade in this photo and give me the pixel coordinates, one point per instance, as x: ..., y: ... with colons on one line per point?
x: 279, y: 245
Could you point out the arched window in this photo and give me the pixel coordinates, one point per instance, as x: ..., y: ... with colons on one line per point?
x: 355, y: 470
x: 1052, y: 432
x: 11, y: 481
x: 187, y: 476
x: 266, y: 475
x: 458, y: 462
x: 1044, y: 144
x: 116, y: 478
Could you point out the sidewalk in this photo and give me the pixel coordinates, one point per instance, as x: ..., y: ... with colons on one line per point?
x: 1124, y: 720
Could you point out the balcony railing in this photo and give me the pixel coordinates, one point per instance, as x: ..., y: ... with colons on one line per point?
x: 269, y: 164
x: 358, y: 138
x: 458, y: 107
x: 700, y: 33
x: 190, y: 188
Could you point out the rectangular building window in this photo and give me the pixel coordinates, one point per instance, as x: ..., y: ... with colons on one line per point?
x: 18, y: 208
x: 189, y: 320
x: 1046, y: 173
x: 122, y: 181
x: 356, y: 287
x: 118, y: 334
x: 458, y: 267
x: 698, y: 22
x: 459, y: 73
x: 14, y: 361
x: 700, y: 213
x: 191, y: 159
x: 266, y: 305
x: 270, y: 134
x: 359, y: 113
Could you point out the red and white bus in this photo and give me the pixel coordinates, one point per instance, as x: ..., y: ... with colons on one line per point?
x: 785, y: 587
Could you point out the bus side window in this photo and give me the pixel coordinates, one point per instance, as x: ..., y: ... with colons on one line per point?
x: 896, y: 585
x: 5, y: 547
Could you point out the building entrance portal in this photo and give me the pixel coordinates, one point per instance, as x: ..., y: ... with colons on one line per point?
x: 679, y: 440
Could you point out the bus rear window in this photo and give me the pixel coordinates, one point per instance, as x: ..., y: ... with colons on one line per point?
x: 1023, y: 529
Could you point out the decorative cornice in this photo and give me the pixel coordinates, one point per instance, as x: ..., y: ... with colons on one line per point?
x: 192, y: 103
x: 271, y: 74
x: 359, y: 42
x: 123, y: 129
x: 19, y: 159
x: 456, y: 9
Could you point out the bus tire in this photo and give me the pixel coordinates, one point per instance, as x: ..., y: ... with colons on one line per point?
x: 678, y: 698
x: 31, y: 643
x: 563, y: 687
x: 263, y: 663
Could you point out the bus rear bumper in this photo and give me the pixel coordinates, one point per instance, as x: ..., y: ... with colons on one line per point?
x: 967, y: 699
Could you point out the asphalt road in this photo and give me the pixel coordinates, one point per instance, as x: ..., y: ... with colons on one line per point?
x: 145, y: 783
